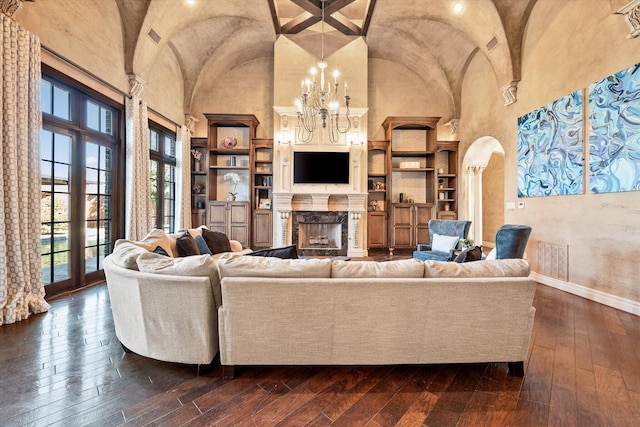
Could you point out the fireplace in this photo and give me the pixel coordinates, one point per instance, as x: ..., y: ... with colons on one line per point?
x: 320, y: 233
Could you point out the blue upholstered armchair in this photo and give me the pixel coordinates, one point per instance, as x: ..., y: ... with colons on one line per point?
x: 443, y: 227
x: 511, y: 241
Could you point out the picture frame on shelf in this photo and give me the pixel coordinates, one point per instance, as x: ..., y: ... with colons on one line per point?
x: 264, y: 204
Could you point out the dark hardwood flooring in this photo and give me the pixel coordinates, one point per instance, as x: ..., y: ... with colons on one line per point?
x: 67, y: 368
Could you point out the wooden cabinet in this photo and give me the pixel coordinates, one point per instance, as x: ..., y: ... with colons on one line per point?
x: 410, y: 225
x: 230, y: 218
x: 378, y: 161
x: 377, y: 229
x: 262, y: 228
x: 261, y: 161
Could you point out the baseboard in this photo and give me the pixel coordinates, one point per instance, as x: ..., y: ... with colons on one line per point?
x: 613, y: 301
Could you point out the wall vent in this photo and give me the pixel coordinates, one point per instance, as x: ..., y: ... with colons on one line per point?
x: 553, y: 260
x: 492, y: 43
x: 154, y: 36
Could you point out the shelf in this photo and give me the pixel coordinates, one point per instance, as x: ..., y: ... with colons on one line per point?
x: 447, y: 175
x: 378, y: 175
x: 200, y: 173
x: 263, y: 187
x: 447, y: 189
x: 230, y: 167
x: 377, y: 191
x: 230, y: 151
x: 411, y: 153
x: 412, y: 169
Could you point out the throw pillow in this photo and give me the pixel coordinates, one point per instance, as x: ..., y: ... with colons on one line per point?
x: 473, y: 253
x: 442, y: 243
x: 216, y: 241
x: 202, y: 245
x: 125, y: 253
x: 155, y: 238
x: 158, y: 250
x: 406, y: 268
x: 286, y: 252
x: 187, y: 245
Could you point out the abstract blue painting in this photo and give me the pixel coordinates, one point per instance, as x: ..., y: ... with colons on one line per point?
x: 614, y: 139
x: 550, y: 149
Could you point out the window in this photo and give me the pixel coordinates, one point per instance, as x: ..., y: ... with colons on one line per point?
x: 79, y: 148
x: 162, y: 171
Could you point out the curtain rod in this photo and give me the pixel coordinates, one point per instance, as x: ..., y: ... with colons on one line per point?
x: 101, y: 80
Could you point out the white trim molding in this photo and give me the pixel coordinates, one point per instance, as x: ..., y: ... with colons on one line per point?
x: 613, y: 301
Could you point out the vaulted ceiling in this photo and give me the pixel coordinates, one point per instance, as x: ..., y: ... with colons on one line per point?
x: 426, y: 36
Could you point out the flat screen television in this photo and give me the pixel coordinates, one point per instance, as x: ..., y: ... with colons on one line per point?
x: 316, y: 167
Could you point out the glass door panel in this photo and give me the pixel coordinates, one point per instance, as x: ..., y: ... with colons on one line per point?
x: 98, y: 205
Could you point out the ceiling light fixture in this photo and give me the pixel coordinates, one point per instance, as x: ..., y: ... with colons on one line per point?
x: 319, y: 102
x: 458, y: 7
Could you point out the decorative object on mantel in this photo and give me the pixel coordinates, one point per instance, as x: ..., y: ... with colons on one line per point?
x: 197, y: 155
x: 234, y: 178
x: 317, y: 103
x: 230, y: 142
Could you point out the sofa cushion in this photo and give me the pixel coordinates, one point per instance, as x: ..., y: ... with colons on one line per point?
x: 125, y: 253
x: 406, y: 268
x: 248, y: 266
x: 473, y: 253
x: 285, y: 252
x: 442, y: 243
x: 202, y: 245
x: 216, y: 241
x: 155, y: 238
x: 187, y: 245
x: 198, y: 265
x: 173, y: 237
x: 492, y: 268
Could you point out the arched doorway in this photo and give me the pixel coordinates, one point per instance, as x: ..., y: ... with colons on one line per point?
x: 483, y: 188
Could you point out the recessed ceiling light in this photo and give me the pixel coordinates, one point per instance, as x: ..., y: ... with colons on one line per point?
x: 458, y: 7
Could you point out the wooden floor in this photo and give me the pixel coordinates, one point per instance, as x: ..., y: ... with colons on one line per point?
x: 67, y: 368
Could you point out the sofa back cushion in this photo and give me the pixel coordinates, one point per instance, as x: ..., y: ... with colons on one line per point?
x: 406, y: 268
x: 196, y: 265
x: 157, y: 237
x: 494, y: 268
x: 125, y: 253
x: 256, y: 266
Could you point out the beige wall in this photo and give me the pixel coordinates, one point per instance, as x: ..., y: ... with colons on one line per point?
x: 492, y: 198
x: 600, y: 229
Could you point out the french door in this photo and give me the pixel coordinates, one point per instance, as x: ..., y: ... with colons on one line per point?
x: 79, y: 155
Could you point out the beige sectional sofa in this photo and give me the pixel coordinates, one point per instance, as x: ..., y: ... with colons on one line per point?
x: 323, y: 312
x: 271, y: 311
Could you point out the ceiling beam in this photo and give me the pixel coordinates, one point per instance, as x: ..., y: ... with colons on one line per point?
x: 299, y: 23
x: 343, y: 24
x: 367, y: 20
x: 274, y: 16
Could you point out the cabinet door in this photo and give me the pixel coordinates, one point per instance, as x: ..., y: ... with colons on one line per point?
x: 377, y: 229
x: 217, y: 215
x: 238, y: 222
x: 262, y: 228
x: 402, y: 228
x: 423, y: 214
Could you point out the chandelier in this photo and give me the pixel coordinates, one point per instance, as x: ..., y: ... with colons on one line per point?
x: 318, y: 102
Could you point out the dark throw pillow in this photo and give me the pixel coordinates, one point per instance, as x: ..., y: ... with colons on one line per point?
x: 216, y: 241
x: 473, y: 253
x: 158, y: 250
x: 285, y: 252
x: 202, y: 245
x: 187, y: 245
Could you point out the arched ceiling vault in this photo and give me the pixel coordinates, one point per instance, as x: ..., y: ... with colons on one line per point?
x: 424, y: 36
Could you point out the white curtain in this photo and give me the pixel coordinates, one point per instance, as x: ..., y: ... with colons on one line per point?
x: 21, y: 288
x: 138, y: 188
x: 183, y: 190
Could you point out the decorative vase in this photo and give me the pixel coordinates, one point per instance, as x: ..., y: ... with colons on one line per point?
x: 196, y: 166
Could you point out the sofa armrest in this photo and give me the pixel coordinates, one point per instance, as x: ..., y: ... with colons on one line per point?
x: 421, y: 247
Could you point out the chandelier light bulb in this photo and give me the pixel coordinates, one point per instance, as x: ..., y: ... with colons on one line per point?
x: 458, y: 7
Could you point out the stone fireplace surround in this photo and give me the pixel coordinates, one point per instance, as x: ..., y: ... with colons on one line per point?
x: 320, y: 233
x: 350, y: 206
